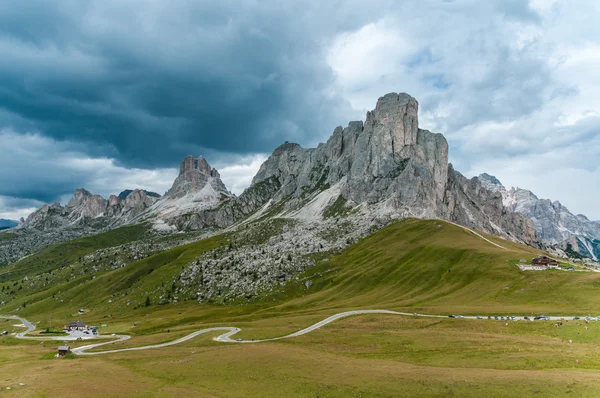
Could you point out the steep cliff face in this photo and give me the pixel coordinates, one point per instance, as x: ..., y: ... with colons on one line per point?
x: 198, y: 187
x: 84, y: 204
x: 386, y: 158
x: 47, y: 217
x: 127, y: 192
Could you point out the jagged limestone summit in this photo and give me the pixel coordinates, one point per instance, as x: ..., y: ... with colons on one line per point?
x: 384, y: 167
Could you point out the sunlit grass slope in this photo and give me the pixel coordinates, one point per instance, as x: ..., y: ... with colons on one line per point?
x: 433, y: 266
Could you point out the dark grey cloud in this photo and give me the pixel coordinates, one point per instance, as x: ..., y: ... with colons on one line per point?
x: 14, y: 208
x: 43, y: 170
x: 113, y: 93
x: 144, y: 81
x: 107, y: 94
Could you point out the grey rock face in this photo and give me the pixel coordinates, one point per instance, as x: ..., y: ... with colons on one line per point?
x: 47, y: 217
x: 233, y: 210
x: 88, y: 214
x: 384, y: 168
x: 126, y: 193
x: 555, y: 224
x: 84, y: 204
x: 471, y: 204
x: 581, y: 245
x: 195, y: 174
x: 490, y: 182
x: 198, y: 187
x: 387, y: 157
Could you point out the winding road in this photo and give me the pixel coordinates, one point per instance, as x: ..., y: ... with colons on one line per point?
x: 223, y: 338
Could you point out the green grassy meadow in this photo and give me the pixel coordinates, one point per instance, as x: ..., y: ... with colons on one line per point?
x: 412, y: 265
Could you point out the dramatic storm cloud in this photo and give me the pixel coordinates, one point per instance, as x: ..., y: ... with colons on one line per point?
x: 111, y: 95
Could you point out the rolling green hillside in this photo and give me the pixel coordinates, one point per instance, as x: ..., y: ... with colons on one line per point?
x: 414, y: 265
x: 68, y: 252
x: 441, y: 268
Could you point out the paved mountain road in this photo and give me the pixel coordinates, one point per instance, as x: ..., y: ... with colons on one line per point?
x: 225, y: 337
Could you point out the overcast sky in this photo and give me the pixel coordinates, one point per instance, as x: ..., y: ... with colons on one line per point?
x: 112, y: 94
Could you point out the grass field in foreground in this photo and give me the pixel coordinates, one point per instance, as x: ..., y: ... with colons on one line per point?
x: 363, y: 356
x: 414, y: 265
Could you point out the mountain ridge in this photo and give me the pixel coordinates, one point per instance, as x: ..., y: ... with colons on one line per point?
x: 556, y: 225
x: 374, y: 172
x: 196, y: 179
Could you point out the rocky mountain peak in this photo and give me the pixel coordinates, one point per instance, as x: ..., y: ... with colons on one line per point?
x: 583, y: 218
x: 79, y: 197
x: 199, y: 164
x: 490, y: 179
x: 196, y: 175
x: 113, y: 200
x: 376, y: 160
x: 85, y: 204
x: 396, y: 116
x: 554, y: 223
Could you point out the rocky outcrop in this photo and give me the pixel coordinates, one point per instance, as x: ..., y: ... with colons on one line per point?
x: 383, y: 168
x: 196, y: 175
x: 198, y: 188
x: 555, y: 224
x: 134, y: 204
x: 86, y: 209
x: 257, y: 196
x: 47, y: 217
x: 84, y: 204
x: 581, y: 246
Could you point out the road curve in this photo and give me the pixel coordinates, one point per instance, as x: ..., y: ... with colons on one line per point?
x: 223, y: 338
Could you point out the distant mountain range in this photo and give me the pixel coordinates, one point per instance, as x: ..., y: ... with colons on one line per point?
x: 5, y: 224
x: 383, y: 168
x: 555, y: 224
x: 197, y: 187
